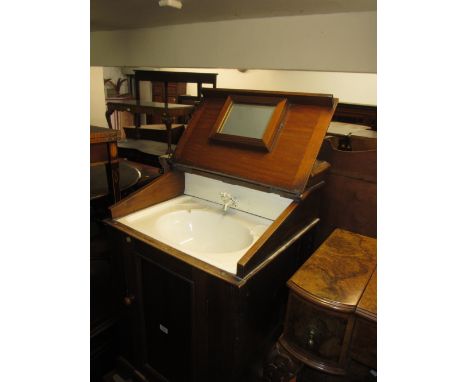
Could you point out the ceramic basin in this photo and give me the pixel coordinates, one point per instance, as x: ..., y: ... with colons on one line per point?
x: 203, y: 231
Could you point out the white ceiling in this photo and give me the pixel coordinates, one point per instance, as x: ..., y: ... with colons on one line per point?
x: 130, y: 14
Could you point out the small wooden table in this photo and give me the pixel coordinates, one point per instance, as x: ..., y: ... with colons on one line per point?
x: 104, y: 150
x: 332, y: 310
x: 167, y: 111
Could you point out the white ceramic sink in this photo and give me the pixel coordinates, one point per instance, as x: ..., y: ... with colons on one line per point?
x: 201, y: 229
x: 204, y: 231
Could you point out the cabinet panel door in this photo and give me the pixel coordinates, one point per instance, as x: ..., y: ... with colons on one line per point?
x: 167, y: 312
x: 364, y: 344
x: 318, y: 334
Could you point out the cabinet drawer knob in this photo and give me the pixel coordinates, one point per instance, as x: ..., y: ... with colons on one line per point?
x: 128, y: 300
x: 311, y: 338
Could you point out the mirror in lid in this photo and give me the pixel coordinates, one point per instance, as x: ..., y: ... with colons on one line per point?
x: 251, y: 121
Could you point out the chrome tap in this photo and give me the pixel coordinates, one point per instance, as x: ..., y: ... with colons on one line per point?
x: 228, y: 200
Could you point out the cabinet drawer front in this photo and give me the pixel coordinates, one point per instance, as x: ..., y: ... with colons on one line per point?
x: 318, y: 334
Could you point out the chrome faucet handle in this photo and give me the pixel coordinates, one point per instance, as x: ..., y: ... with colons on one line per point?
x: 225, y: 196
x: 228, y: 200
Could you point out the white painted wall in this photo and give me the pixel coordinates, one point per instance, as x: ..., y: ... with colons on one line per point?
x: 345, y: 42
x: 358, y: 88
x: 115, y: 73
x: 109, y: 48
x: 97, y: 97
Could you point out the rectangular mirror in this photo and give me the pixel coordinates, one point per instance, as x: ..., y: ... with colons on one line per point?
x: 249, y: 121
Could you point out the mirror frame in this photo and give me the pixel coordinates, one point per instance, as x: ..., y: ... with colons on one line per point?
x: 271, y: 132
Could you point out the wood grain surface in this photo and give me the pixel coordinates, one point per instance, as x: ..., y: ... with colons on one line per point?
x: 156, y: 108
x: 287, y: 167
x: 102, y: 135
x: 337, y: 274
x: 165, y: 187
x: 367, y: 306
x: 360, y: 163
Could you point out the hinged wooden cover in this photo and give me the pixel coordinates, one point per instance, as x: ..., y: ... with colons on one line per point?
x: 338, y: 272
x: 285, y: 167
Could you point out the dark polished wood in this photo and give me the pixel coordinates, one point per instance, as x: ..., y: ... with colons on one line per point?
x: 357, y: 114
x: 287, y: 168
x: 358, y: 162
x: 350, y: 197
x: 165, y: 76
x: 106, y: 278
x: 173, y: 94
x: 167, y: 320
x: 165, y: 187
x: 166, y: 111
x: 103, y: 135
x: 156, y: 108
x: 363, y: 347
x: 155, y: 132
x: 280, y: 366
x: 104, y: 150
x: 133, y: 176
x: 318, y: 99
x: 336, y: 276
x: 298, y: 215
x: 174, y: 90
x: 232, y: 319
x: 367, y: 306
x: 331, y: 305
x: 228, y: 321
x: 364, y: 344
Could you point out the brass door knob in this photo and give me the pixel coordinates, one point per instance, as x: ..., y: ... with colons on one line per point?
x: 128, y: 300
x: 311, y: 338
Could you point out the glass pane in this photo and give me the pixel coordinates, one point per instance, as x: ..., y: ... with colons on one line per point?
x: 314, y: 331
x: 246, y: 120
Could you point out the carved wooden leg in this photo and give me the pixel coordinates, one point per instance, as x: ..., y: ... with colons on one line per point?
x: 280, y: 367
x: 108, y: 118
x: 137, y: 120
x: 167, y: 120
x: 112, y: 172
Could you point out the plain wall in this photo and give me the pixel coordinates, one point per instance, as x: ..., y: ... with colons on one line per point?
x: 358, y: 88
x: 344, y: 42
x: 97, y: 97
x: 114, y: 74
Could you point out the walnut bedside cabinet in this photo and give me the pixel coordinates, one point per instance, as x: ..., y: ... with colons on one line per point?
x: 331, y: 319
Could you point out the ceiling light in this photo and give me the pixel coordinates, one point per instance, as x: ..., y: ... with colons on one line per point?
x: 171, y: 3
